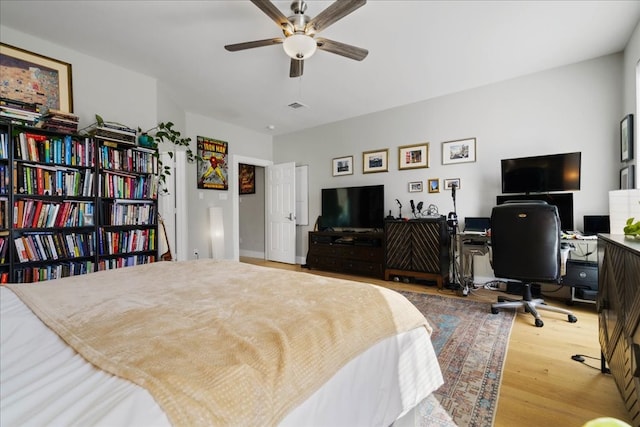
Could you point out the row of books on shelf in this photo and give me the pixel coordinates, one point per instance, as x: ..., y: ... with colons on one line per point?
x: 108, y: 131
x: 25, y: 113
x: 124, y: 186
x: 4, y: 244
x: 34, y: 179
x: 5, y: 174
x: 129, y: 213
x: 58, y: 121
x: 139, y: 160
x: 128, y: 261
x: 4, y: 213
x: 126, y: 241
x: 4, y: 145
x: 67, y: 150
x: 34, y: 213
x: 31, y: 247
x: 50, y: 271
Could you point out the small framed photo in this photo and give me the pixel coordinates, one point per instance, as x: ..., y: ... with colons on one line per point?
x: 627, y: 177
x: 342, y: 166
x: 413, y: 156
x: 434, y: 185
x: 450, y: 182
x: 460, y: 151
x: 415, y: 186
x: 375, y: 161
x: 626, y: 138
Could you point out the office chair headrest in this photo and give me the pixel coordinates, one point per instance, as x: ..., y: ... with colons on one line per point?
x: 514, y: 202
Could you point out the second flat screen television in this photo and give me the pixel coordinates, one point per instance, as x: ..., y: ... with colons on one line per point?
x: 353, y: 207
x: 541, y: 174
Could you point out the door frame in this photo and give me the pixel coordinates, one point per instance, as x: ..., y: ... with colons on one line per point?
x: 235, y: 197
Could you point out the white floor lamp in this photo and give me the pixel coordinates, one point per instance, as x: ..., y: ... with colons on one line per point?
x: 216, y: 227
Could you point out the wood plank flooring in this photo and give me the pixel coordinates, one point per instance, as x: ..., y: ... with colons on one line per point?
x: 541, y: 384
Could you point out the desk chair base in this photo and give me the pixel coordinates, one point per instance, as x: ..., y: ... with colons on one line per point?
x: 530, y: 304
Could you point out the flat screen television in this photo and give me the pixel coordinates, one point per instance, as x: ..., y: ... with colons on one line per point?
x: 563, y: 201
x: 353, y: 207
x: 541, y: 174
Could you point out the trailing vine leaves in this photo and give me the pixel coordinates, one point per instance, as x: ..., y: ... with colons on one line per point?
x: 165, y: 132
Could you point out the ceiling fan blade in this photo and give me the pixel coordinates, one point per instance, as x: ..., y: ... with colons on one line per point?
x: 297, y: 66
x: 337, y: 10
x: 275, y: 14
x: 250, y: 45
x: 343, y: 49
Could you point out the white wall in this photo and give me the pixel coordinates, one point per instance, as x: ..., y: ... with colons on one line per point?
x: 629, y: 100
x: 573, y: 108
x: 136, y: 100
x: 242, y: 142
x: 99, y: 87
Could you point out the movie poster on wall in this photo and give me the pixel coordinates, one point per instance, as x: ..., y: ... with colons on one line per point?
x: 213, y: 170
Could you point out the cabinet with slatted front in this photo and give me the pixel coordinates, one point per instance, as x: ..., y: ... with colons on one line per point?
x: 619, y: 315
x: 418, y: 248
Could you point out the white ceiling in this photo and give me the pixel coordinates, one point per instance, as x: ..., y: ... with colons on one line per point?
x: 417, y: 50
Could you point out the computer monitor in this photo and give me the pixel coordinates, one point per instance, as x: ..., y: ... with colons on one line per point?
x: 594, y: 224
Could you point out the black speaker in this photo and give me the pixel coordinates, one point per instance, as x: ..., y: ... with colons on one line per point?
x: 322, y: 226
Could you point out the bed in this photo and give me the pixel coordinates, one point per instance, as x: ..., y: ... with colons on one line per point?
x: 210, y: 343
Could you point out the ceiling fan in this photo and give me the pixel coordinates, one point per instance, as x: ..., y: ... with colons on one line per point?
x: 299, y: 32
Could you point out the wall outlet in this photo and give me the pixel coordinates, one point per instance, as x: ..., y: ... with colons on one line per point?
x: 195, y: 253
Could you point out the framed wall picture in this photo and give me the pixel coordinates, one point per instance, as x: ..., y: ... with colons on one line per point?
x: 450, y: 182
x: 342, y: 166
x: 375, y: 161
x: 459, y: 151
x: 36, y: 79
x: 247, y: 179
x: 627, y: 177
x: 415, y: 186
x: 213, y: 170
x: 413, y: 156
x: 434, y: 185
x: 626, y: 138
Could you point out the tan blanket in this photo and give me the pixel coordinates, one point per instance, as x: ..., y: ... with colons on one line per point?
x: 219, y: 342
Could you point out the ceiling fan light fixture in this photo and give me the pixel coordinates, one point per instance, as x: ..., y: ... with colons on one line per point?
x: 300, y: 46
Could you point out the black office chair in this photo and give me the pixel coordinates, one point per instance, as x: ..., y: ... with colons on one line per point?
x: 525, y: 246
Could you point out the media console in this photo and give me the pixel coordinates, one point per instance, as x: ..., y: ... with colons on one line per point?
x: 359, y: 253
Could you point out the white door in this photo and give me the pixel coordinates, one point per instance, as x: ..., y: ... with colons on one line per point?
x: 281, y: 212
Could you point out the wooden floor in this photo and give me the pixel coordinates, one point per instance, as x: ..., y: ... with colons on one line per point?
x: 541, y: 384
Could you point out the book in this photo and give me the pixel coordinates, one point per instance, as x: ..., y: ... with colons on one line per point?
x: 21, y: 251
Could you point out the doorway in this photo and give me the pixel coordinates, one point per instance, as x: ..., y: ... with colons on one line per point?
x: 251, y: 218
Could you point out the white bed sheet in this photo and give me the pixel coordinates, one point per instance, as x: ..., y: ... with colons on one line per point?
x: 45, y: 382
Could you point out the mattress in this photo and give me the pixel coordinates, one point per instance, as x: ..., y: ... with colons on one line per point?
x: 45, y: 382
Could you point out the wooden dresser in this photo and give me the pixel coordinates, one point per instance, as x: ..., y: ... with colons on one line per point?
x: 619, y: 315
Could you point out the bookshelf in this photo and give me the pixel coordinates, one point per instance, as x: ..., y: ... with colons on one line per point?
x: 72, y: 204
x: 127, y: 203
x: 5, y: 202
x: 52, y: 230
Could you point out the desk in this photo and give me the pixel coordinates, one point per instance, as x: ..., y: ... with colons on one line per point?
x: 471, y: 245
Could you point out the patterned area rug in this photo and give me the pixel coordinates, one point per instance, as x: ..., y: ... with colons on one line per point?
x: 471, y: 344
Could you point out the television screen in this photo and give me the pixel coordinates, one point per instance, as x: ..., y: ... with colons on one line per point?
x: 563, y: 201
x: 353, y: 207
x: 541, y: 174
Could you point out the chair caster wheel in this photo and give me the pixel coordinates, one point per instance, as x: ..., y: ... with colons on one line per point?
x: 572, y: 318
x: 539, y: 323
x: 494, y: 310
